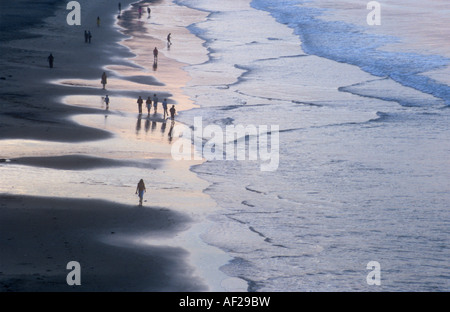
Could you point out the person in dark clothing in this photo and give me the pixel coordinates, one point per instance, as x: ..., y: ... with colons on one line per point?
x: 155, y: 55
x: 140, y: 101
x: 50, y: 60
x: 104, y: 80
x: 172, y: 112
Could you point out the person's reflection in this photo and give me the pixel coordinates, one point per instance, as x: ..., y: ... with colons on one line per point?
x: 163, y: 127
x: 170, y: 133
x: 153, y: 125
x: 138, y: 124
x: 147, y: 125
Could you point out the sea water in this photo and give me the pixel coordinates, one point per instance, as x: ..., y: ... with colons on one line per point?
x: 363, y: 116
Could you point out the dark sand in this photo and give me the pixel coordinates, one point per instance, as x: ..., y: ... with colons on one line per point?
x: 39, y: 236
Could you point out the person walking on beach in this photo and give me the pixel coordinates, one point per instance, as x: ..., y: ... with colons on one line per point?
x: 140, y: 12
x: 148, y: 11
x: 50, y: 60
x: 155, y: 103
x: 103, y: 81
x: 149, y: 104
x: 98, y: 21
x: 107, y: 101
x: 172, y: 112
x: 164, y: 105
x: 155, y: 55
x: 89, y: 36
x: 140, y: 190
x: 120, y: 8
x: 169, y: 43
x: 86, y: 36
x: 140, y: 101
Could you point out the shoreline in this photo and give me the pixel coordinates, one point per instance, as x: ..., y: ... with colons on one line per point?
x: 42, y: 156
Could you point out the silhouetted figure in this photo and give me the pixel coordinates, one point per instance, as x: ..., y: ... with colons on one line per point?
x: 98, y: 21
x: 148, y: 102
x: 140, y: 12
x: 86, y: 36
x: 168, y: 39
x: 104, y: 80
x: 120, y: 8
x: 155, y: 103
x: 107, y: 101
x: 140, y: 101
x: 164, y: 105
x: 50, y: 60
x: 89, y: 36
x: 172, y: 112
x: 140, y: 190
x: 155, y: 55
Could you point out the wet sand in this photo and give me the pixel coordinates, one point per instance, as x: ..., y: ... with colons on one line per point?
x: 70, y: 166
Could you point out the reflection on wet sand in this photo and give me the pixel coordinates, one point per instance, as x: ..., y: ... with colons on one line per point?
x: 151, y: 124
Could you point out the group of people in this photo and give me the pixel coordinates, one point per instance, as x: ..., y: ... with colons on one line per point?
x: 87, y: 36
x: 149, y: 11
x: 149, y: 103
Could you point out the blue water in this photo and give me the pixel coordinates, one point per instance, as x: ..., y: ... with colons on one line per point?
x: 363, y: 169
x: 348, y: 43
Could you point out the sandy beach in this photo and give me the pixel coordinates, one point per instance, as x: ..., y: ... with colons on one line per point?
x: 70, y: 165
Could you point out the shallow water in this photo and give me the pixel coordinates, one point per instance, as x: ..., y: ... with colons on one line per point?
x: 363, y: 169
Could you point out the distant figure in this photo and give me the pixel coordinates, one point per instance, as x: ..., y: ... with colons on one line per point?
x: 172, y: 112
x: 104, y: 80
x: 98, y: 21
x: 140, y: 12
x: 155, y: 103
x: 107, y: 101
x: 86, y: 36
x: 168, y: 39
x: 140, y: 101
x: 148, y: 11
x: 140, y: 190
x: 149, y: 104
x: 50, y: 60
x: 89, y: 36
x: 120, y: 8
x: 164, y: 105
x: 155, y: 55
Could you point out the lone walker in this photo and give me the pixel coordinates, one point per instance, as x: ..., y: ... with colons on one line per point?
x: 107, y: 101
x: 155, y: 55
x: 140, y: 190
x: 104, y: 80
x: 50, y: 60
